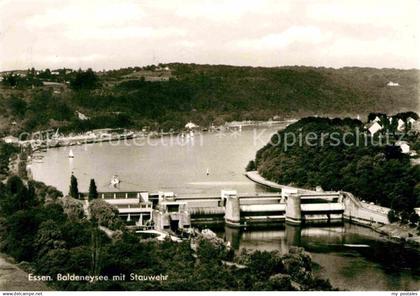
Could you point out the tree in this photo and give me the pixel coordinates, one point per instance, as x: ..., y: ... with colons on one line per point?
x: 105, y: 214
x: 404, y: 217
x: 392, y: 216
x: 84, y: 80
x: 414, y: 218
x: 17, y: 105
x: 251, y: 166
x: 17, y: 197
x: 73, y: 209
x: 48, y: 237
x: 93, y: 193
x: 74, y: 190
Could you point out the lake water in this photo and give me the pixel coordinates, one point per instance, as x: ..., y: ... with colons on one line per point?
x: 350, y: 256
x: 159, y: 164
x: 181, y: 165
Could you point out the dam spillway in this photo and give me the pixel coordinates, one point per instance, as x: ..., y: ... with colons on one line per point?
x: 166, y: 210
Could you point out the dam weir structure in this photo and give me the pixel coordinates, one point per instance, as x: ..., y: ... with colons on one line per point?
x: 166, y: 210
x: 291, y: 206
x: 265, y: 208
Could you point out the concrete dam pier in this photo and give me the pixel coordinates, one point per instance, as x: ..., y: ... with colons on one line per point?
x: 166, y: 210
x: 244, y: 210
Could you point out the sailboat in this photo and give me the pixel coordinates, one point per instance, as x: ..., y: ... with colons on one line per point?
x: 71, y: 155
x: 208, y: 172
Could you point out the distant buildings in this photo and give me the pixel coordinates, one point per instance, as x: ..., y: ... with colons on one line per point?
x: 399, y: 122
x: 400, y: 125
x: 81, y: 116
x: 411, y: 120
x: 377, y: 119
x: 190, y: 125
x: 166, y: 68
x: 405, y: 148
x: 393, y: 84
x: 10, y: 140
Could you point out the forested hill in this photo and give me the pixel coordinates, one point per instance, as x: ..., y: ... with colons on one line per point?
x: 167, y: 96
x: 305, y: 90
x: 334, y: 156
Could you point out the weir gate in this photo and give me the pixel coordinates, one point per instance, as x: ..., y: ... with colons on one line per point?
x: 166, y: 210
x: 264, y: 208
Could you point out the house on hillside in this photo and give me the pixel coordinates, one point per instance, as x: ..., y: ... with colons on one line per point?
x: 405, y: 148
x: 374, y: 127
x: 81, y: 116
x: 410, y: 124
x: 401, y: 125
x: 10, y: 140
x: 392, y: 84
x: 377, y: 119
x: 410, y: 120
x: 190, y: 125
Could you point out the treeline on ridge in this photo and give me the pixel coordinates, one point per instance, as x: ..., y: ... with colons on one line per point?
x: 374, y: 172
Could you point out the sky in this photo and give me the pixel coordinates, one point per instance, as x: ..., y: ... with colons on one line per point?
x: 110, y: 34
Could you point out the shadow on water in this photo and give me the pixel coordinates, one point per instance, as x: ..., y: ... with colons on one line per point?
x: 352, y: 257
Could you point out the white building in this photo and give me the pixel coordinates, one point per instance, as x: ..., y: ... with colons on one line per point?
x: 405, y: 148
x: 190, y: 125
x: 81, y: 116
x: 133, y: 207
x: 374, y: 128
x: 401, y: 125
x: 411, y: 120
x: 10, y: 139
x: 377, y: 119
x: 393, y: 84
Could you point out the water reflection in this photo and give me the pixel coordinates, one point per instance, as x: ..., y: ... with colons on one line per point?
x: 352, y: 257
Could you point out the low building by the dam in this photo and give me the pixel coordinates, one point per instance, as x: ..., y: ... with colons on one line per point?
x: 133, y: 207
x: 166, y: 210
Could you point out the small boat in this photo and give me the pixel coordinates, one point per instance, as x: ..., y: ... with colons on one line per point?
x: 115, y: 181
x: 208, y: 172
x: 71, y: 155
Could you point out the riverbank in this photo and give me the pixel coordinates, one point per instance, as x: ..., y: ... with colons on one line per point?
x: 107, y: 135
x: 393, y: 232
